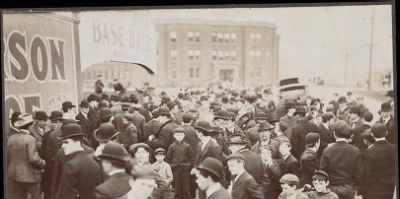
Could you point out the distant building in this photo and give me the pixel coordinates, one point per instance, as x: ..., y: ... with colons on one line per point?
x: 194, y: 53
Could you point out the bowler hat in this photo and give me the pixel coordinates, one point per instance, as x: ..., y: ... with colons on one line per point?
x: 105, y: 112
x: 187, y: 117
x: 105, y: 132
x: 260, y: 115
x: 265, y: 126
x: 23, y: 119
x: 164, y: 111
x: 379, y: 130
x: 134, y: 147
x: 273, y: 117
x: 40, y: 115
x: 56, y: 115
x: 70, y: 130
x: 386, y: 107
x: 311, y: 138
x: 84, y: 104
x: 235, y: 156
x: 342, y: 100
x: 114, y: 151
x: 237, y: 138
x: 300, y: 109
x: 67, y: 104
x: 222, y: 114
x: 92, y: 97
x: 212, y: 165
x: 355, y: 109
x: 289, y: 179
x: 155, y: 112
x: 204, y: 126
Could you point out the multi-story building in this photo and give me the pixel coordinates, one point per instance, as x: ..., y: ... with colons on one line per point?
x: 195, y: 52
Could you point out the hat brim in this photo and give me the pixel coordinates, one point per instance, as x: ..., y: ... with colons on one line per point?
x: 60, y: 138
x: 112, y: 157
x: 201, y: 167
x: 221, y: 117
x: 22, y: 123
x: 98, y: 139
x: 290, y: 87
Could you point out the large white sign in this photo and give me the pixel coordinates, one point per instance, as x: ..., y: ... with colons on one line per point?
x: 122, y: 36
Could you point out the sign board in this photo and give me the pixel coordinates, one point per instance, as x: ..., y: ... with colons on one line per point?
x: 123, y: 36
x: 39, y: 62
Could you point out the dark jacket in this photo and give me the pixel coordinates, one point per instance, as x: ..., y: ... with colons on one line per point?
x: 246, y: 187
x: 86, y: 125
x: 23, y: 161
x: 308, y: 164
x: 343, y: 163
x: 191, y: 137
x: 211, y: 149
x: 38, y: 134
x: 302, y: 128
x: 391, y: 131
x: 151, y: 128
x: 165, y: 137
x: 290, y: 122
x: 139, y: 121
x: 221, y: 193
x: 253, y: 164
x: 357, y: 139
x: 380, y: 169
x: 115, y: 186
x: 253, y: 135
x: 50, y: 147
x: 80, y: 175
x: 289, y: 165
x: 326, y: 137
x: 180, y: 155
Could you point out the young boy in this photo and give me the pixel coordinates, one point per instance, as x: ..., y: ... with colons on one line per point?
x: 181, y: 158
x: 289, y: 183
x: 162, y: 167
x: 320, y: 181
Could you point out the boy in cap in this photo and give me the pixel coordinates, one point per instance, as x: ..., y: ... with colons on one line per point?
x: 309, y: 159
x: 289, y: 184
x: 320, y: 181
x: 380, y: 170
x: 161, y: 166
x: 243, y: 184
x: 114, y: 160
x: 181, y: 158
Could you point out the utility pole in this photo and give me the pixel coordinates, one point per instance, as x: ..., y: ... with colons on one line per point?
x: 371, y: 49
x: 346, y: 68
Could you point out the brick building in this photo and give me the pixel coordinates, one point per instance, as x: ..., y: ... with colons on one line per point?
x: 195, y: 52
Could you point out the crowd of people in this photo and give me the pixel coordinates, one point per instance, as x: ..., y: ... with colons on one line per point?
x: 210, y: 144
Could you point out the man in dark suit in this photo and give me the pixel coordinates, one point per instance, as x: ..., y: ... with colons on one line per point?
x: 252, y: 133
x: 243, y: 184
x: 24, y: 164
x: 253, y: 162
x: 342, y: 162
x: 289, y: 120
x: 38, y: 128
x: 309, y: 161
x: 380, y: 166
x: 153, y: 126
x: 114, y: 159
x: 138, y: 120
x: 301, y: 129
x: 80, y: 173
x: 357, y: 131
x: 190, y: 133
x: 388, y: 120
x: 49, y: 150
x: 165, y: 136
x: 87, y: 125
x: 325, y: 131
x: 208, y: 179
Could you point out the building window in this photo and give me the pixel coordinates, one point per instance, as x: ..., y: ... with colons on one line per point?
x: 197, y: 72
x: 196, y: 54
x: 220, y: 37
x: 220, y: 55
x: 197, y: 36
x: 227, y: 55
x: 172, y: 36
x: 190, y: 36
x: 233, y: 37
x: 190, y: 54
x: 214, y: 55
x: 214, y: 37
x: 233, y: 55
x: 191, y: 72
x: 227, y: 37
x: 252, y: 36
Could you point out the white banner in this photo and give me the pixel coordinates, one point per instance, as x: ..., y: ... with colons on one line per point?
x: 121, y: 36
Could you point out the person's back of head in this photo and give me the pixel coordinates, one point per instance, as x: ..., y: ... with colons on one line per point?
x: 368, y: 116
x: 342, y: 129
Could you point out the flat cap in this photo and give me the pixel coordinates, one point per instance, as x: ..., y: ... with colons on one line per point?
x: 289, y: 179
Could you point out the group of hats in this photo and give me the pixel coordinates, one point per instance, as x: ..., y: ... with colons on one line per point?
x: 27, y: 118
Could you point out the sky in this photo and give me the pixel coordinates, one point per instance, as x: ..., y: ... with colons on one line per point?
x: 315, y: 40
